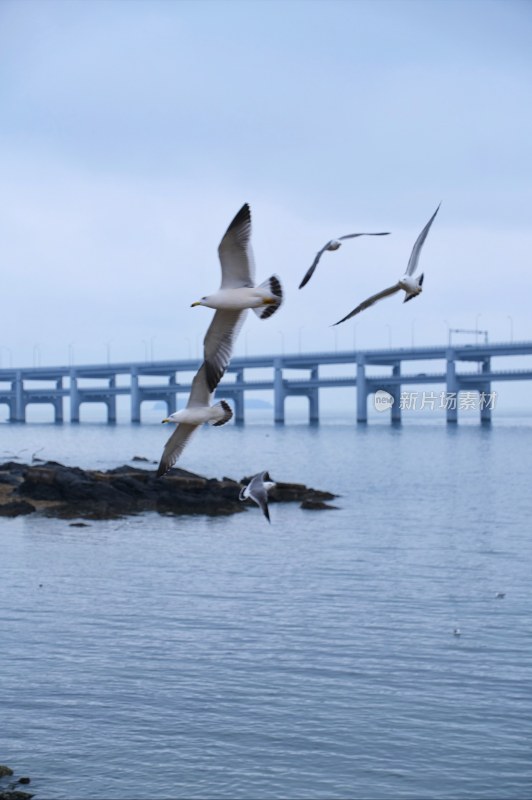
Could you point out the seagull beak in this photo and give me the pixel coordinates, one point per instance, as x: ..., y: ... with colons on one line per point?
x: 197, y: 303
x: 165, y: 420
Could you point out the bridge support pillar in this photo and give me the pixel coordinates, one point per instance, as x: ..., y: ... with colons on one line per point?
x: 395, y: 392
x: 18, y: 409
x: 171, y: 402
x: 278, y: 391
x: 485, y: 395
x: 135, y: 395
x: 485, y: 404
x: 452, y: 389
x: 362, y: 391
x: 58, y: 403
x: 74, y: 398
x: 111, y: 402
x: 238, y: 399
x: 314, y: 398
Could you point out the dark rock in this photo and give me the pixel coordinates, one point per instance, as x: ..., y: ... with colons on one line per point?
x: 316, y: 505
x: 142, y: 458
x: 9, y: 480
x: 79, y: 525
x: 5, y: 771
x: 14, y: 794
x: 24, y: 781
x: 16, y: 508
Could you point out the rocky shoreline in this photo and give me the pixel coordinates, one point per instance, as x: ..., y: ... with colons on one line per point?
x: 9, y: 790
x: 55, y: 490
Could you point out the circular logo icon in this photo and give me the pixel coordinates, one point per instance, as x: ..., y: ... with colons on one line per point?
x: 383, y: 400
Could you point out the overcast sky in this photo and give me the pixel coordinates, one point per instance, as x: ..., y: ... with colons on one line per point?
x: 131, y: 132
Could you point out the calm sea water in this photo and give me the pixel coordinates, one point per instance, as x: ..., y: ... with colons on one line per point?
x: 314, y: 658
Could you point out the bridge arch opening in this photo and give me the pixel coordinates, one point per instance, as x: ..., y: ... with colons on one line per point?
x: 40, y: 412
x: 93, y: 412
x: 5, y: 411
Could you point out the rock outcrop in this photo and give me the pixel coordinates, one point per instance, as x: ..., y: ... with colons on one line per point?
x: 52, y: 489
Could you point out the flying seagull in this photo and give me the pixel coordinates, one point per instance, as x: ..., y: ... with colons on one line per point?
x: 188, y: 420
x: 410, y: 285
x: 236, y: 294
x: 334, y: 244
x: 257, y: 490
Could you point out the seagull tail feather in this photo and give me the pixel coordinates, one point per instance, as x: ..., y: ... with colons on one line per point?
x: 272, y: 285
x: 226, y: 411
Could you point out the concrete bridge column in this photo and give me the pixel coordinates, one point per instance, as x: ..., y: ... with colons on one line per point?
x: 18, y: 410
x: 111, y: 402
x: 238, y: 399
x: 485, y: 408
x: 278, y: 391
x: 58, y: 402
x: 362, y: 391
x: 74, y: 397
x: 314, y: 397
x: 172, y: 398
x: 452, y: 389
x: 135, y: 395
x: 395, y: 391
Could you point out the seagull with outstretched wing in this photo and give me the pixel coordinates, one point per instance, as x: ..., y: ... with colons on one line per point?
x: 236, y: 294
x: 198, y: 411
x: 334, y: 244
x: 410, y: 285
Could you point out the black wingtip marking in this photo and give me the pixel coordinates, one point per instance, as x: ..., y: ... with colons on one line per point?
x: 226, y: 407
x: 421, y: 278
x: 275, y: 286
x: 269, y: 310
x: 212, y: 375
x: 243, y: 216
x: 267, y: 514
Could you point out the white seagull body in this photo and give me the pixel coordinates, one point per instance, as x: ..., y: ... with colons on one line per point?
x: 334, y: 244
x: 236, y: 294
x: 257, y: 490
x: 197, y: 412
x: 409, y: 284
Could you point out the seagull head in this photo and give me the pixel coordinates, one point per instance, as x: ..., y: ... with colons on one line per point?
x: 171, y: 418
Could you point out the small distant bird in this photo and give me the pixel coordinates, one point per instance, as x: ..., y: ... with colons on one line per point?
x: 257, y: 490
x: 457, y: 632
x: 500, y: 595
x: 188, y: 420
x: 410, y: 285
x: 236, y: 294
x: 334, y: 244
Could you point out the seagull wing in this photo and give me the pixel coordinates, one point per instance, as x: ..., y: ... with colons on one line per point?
x: 218, y: 344
x: 175, y: 446
x: 200, y: 395
x: 257, y: 492
x: 369, y: 302
x: 416, y: 250
x: 354, y: 235
x: 310, y: 271
x: 236, y: 255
